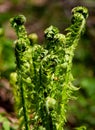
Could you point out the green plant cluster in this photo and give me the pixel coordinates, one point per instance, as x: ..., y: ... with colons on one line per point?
x: 5, y: 123
x: 43, y: 79
x: 7, y: 57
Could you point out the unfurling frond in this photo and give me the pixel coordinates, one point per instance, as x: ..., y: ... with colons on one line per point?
x: 44, y: 79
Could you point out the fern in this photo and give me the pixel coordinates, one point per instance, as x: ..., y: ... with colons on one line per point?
x: 44, y: 80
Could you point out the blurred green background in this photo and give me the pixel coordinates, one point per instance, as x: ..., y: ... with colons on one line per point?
x: 40, y: 14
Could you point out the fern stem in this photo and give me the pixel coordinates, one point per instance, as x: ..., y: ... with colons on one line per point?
x: 23, y: 102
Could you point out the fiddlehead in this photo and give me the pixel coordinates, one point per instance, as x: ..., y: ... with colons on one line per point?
x: 78, y: 22
x: 44, y: 77
x: 62, y: 47
x: 23, y: 67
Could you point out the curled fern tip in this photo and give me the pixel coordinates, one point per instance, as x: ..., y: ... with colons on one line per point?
x: 18, y: 20
x: 82, y: 10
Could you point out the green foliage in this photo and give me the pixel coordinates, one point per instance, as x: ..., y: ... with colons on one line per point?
x: 83, y: 70
x: 43, y: 74
x: 81, y: 128
x: 6, y: 123
x: 7, y: 57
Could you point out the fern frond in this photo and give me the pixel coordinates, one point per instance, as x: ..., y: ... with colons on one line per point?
x: 44, y: 77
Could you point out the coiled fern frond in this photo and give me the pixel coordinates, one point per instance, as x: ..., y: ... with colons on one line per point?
x: 44, y: 79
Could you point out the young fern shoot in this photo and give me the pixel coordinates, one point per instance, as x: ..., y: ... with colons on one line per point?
x: 23, y: 62
x: 44, y: 78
